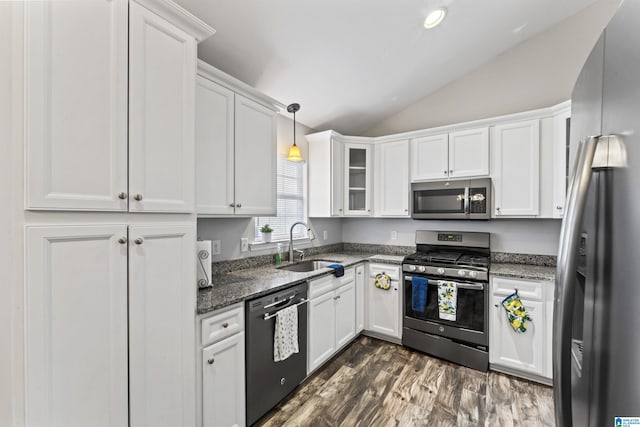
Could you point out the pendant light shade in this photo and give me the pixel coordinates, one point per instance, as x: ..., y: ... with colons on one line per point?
x: 294, y: 150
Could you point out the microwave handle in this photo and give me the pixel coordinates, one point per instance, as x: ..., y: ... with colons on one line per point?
x: 466, y: 199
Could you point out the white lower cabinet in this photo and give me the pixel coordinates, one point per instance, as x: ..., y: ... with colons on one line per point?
x: 222, y: 400
x: 360, y: 298
x: 332, y: 318
x: 526, y: 354
x: 384, y: 306
x: 77, y: 314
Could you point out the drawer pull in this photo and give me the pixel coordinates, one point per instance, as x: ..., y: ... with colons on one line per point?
x: 225, y: 325
x: 210, y: 361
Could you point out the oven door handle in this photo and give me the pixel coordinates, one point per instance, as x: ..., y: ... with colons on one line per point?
x: 461, y: 285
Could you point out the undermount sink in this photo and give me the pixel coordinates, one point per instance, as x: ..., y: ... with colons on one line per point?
x: 310, y: 265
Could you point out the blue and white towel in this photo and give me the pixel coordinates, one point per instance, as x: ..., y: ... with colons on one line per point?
x: 447, y: 300
x: 285, y: 338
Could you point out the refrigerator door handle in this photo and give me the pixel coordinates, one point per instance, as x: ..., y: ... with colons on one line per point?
x: 565, y: 280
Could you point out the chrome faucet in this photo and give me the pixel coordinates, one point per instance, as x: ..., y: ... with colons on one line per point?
x: 291, y: 250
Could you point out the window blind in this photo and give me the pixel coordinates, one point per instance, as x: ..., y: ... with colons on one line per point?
x: 291, y: 201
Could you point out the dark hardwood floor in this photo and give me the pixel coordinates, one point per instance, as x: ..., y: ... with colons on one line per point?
x: 375, y: 383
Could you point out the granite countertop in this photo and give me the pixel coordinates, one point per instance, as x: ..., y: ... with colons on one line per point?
x: 523, y: 271
x: 241, y: 285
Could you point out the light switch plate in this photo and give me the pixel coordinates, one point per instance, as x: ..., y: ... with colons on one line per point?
x: 215, y: 247
x: 244, y: 244
x: 394, y: 235
x: 325, y: 235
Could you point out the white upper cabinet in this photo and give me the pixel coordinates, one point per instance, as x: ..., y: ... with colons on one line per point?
x: 256, y: 128
x: 326, y: 175
x: 515, y: 163
x: 430, y: 157
x: 214, y: 148
x: 469, y: 153
x: 357, y: 179
x: 76, y: 326
x: 162, y: 71
x: 236, y: 147
x: 561, y: 126
x: 453, y: 155
x: 392, y: 179
x: 162, y: 306
x: 110, y: 116
x: 76, y: 105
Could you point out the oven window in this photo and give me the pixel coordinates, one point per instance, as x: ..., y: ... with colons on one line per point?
x: 470, y: 307
x: 450, y: 200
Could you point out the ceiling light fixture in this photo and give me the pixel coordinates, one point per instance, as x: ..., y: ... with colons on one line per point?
x: 294, y: 150
x: 434, y: 18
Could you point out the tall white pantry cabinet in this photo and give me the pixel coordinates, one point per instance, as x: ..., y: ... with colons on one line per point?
x: 109, y: 298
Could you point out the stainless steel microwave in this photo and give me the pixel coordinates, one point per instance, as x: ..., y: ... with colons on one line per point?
x: 463, y: 199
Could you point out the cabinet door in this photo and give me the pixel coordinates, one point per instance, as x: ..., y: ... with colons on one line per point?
x: 516, y: 168
x: 384, y: 310
x: 357, y: 175
x: 392, y: 179
x: 162, y: 72
x: 255, y: 158
x: 360, y: 298
x: 322, y: 330
x: 521, y: 351
x: 162, y: 298
x: 223, y: 398
x: 430, y: 158
x: 214, y: 148
x: 469, y: 153
x: 76, y: 105
x: 76, y: 326
x: 345, y: 313
x: 337, y: 178
x: 561, y: 124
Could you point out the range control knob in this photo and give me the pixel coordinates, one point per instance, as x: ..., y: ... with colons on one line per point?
x: 422, y: 269
x: 441, y: 270
x: 412, y: 268
x: 473, y: 274
x: 462, y: 273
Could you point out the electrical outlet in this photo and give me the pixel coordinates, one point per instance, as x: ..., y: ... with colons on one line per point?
x: 325, y: 235
x: 215, y: 247
x: 394, y: 235
x: 244, y: 244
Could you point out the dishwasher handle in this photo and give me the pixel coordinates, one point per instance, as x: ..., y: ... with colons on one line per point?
x: 268, y: 316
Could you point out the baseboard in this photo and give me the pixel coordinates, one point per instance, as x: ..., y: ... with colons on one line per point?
x: 527, y: 376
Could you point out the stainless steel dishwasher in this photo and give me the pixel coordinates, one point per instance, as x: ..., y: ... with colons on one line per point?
x: 268, y: 382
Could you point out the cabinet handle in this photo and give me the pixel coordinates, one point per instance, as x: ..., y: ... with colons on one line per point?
x: 559, y: 207
x: 450, y: 170
x: 122, y: 240
x: 210, y: 361
x: 395, y: 289
x: 232, y: 205
x: 496, y: 305
x: 238, y: 205
x: 225, y: 325
x: 139, y: 241
x: 368, y: 210
x: 340, y: 210
x: 137, y: 197
x: 498, y: 211
x: 445, y: 172
x: 122, y: 195
x: 406, y: 210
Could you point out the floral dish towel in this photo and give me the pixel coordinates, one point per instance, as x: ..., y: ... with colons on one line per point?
x: 447, y: 300
x: 516, y: 313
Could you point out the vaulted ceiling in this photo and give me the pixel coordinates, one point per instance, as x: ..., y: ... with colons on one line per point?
x: 352, y: 63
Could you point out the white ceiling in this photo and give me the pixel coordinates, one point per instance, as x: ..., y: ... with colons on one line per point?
x: 352, y: 63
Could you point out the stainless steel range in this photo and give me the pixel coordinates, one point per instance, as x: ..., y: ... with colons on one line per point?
x: 453, y: 262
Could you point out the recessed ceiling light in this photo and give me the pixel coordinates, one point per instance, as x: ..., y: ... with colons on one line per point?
x: 435, y: 18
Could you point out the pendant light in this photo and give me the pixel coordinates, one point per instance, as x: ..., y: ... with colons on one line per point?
x: 294, y: 150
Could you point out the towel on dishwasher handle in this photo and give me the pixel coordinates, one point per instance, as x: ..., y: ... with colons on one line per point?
x: 338, y: 269
x: 419, y: 293
x: 447, y: 300
x: 285, y: 337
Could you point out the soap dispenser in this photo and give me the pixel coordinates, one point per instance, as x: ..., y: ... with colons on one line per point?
x: 278, y: 256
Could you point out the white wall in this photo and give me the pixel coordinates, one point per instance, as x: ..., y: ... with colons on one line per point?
x: 529, y: 236
x: 230, y: 230
x: 537, y: 73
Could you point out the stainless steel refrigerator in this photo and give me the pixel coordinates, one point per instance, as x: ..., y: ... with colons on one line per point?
x: 596, y: 345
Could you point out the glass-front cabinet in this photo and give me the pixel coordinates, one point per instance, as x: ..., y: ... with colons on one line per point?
x: 357, y: 194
